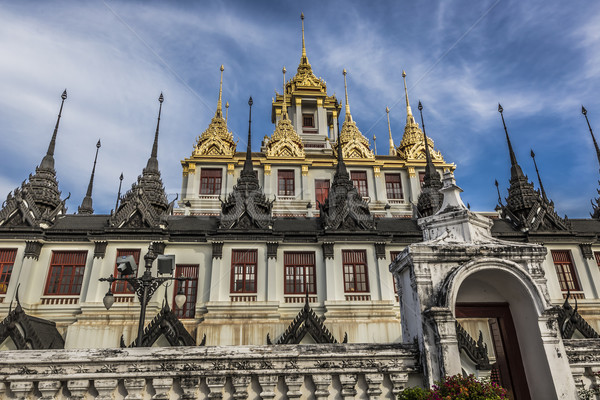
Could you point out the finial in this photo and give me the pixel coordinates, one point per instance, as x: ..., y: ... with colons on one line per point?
x: 409, y: 115
x: 538, y: 175
x: 498, y: 190
x: 248, y: 163
x: 392, y: 147
x: 515, y: 168
x: 375, y: 144
x: 303, y: 47
x: 119, y: 192
x: 226, y: 111
x: 284, y: 106
x: 429, y: 168
x: 219, y: 112
x: 584, y: 112
x: 153, y: 161
x: 348, y: 115
x: 48, y: 160
x: 86, y: 204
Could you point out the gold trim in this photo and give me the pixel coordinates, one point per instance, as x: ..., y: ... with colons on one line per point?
x: 305, y: 170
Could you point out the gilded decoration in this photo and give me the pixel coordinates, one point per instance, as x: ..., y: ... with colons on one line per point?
x: 285, y: 142
x: 354, y: 144
x: 216, y: 140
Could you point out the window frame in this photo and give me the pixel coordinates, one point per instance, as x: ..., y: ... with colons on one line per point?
x: 211, y: 185
x: 565, y: 269
x: 6, y: 267
x: 288, y: 182
x: 390, y: 189
x: 349, y: 268
x: 322, y: 189
x: 308, y: 272
x: 312, y: 119
x: 77, y: 274
x: 190, y: 289
x: 240, y: 262
x: 361, y: 185
x: 122, y: 287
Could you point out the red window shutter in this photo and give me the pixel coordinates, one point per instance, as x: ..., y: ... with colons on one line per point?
x: 243, y: 271
x: 285, y: 183
x: 321, y: 190
x: 210, y: 181
x: 7, y: 261
x: 393, y: 186
x: 190, y: 289
x: 356, y: 276
x: 359, y: 178
x: 565, y: 270
x: 66, y: 273
x: 299, y: 272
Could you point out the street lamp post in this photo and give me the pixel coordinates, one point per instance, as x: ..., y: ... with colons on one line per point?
x: 144, y: 286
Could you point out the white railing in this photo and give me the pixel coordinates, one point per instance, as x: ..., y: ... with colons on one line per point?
x: 286, y: 198
x: 348, y: 371
x: 59, y: 300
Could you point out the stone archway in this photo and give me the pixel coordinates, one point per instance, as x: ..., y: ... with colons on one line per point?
x: 503, y: 293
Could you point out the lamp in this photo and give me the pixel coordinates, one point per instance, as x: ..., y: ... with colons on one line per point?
x: 108, y: 299
x: 180, y: 298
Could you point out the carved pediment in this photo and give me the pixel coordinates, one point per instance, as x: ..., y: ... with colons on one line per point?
x: 165, y: 325
x: 285, y: 142
x: 355, y: 145
x: 216, y: 140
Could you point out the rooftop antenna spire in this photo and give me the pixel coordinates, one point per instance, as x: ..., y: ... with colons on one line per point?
x: 348, y: 115
x: 392, y: 147
x: 584, y: 112
x: 226, y: 111
x: 284, y: 106
x: 48, y: 160
x: 409, y: 114
x: 153, y: 161
x: 538, y: 175
x: 86, y: 204
x: 219, y: 112
x: 515, y: 169
x: 119, y: 193
x: 498, y: 190
x: 248, y: 162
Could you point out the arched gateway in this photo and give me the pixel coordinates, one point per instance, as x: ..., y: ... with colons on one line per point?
x: 476, y: 304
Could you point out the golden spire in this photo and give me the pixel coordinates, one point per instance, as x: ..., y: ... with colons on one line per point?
x: 409, y: 116
x: 284, y: 106
x: 392, y: 147
x: 226, y: 111
x: 348, y: 115
x: 303, y: 47
x: 219, y: 112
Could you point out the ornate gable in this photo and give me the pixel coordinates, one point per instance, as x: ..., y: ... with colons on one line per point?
x: 165, y: 324
x: 29, y: 333
x: 306, y: 323
x: 216, y: 140
x: 570, y: 322
x: 246, y: 207
x: 355, y: 145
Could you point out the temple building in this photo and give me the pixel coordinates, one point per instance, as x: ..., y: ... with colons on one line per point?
x: 314, y: 268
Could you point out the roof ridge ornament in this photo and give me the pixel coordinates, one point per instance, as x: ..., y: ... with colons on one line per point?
x: 538, y: 175
x: 584, y: 112
x: 48, y: 160
x: 86, y: 204
x: 219, y: 112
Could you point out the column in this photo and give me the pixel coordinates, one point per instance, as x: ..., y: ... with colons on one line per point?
x: 304, y: 194
x: 267, y: 385
x: 321, y: 118
x: 415, y: 185
x: 216, y: 271
x: 330, y: 275
x: 386, y: 281
x: 592, y: 270
x: 271, y: 276
x: 298, y: 116
x: 335, y: 125
x: 27, y: 279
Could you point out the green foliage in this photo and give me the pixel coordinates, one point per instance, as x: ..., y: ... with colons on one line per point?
x: 457, y: 387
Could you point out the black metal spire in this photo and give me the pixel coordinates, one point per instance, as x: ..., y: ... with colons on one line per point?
x: 515, y: 169
x: 430, y: 198
x: 153, y: 160
x: 48, y: 160
x: 584, y: 112
x: 248, y: 163
x: 538, y: 175
x: 86, y: 204
x: 498, y: 190
x: 119, y: 192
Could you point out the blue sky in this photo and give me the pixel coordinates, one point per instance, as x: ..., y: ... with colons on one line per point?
x: 540, y: 59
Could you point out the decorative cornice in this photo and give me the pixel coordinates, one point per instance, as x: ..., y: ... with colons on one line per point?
x: 33, y: 249
x: 100, y: 249
x: 272, y: 250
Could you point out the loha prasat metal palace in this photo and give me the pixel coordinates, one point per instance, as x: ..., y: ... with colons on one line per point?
x: 313, y: 268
